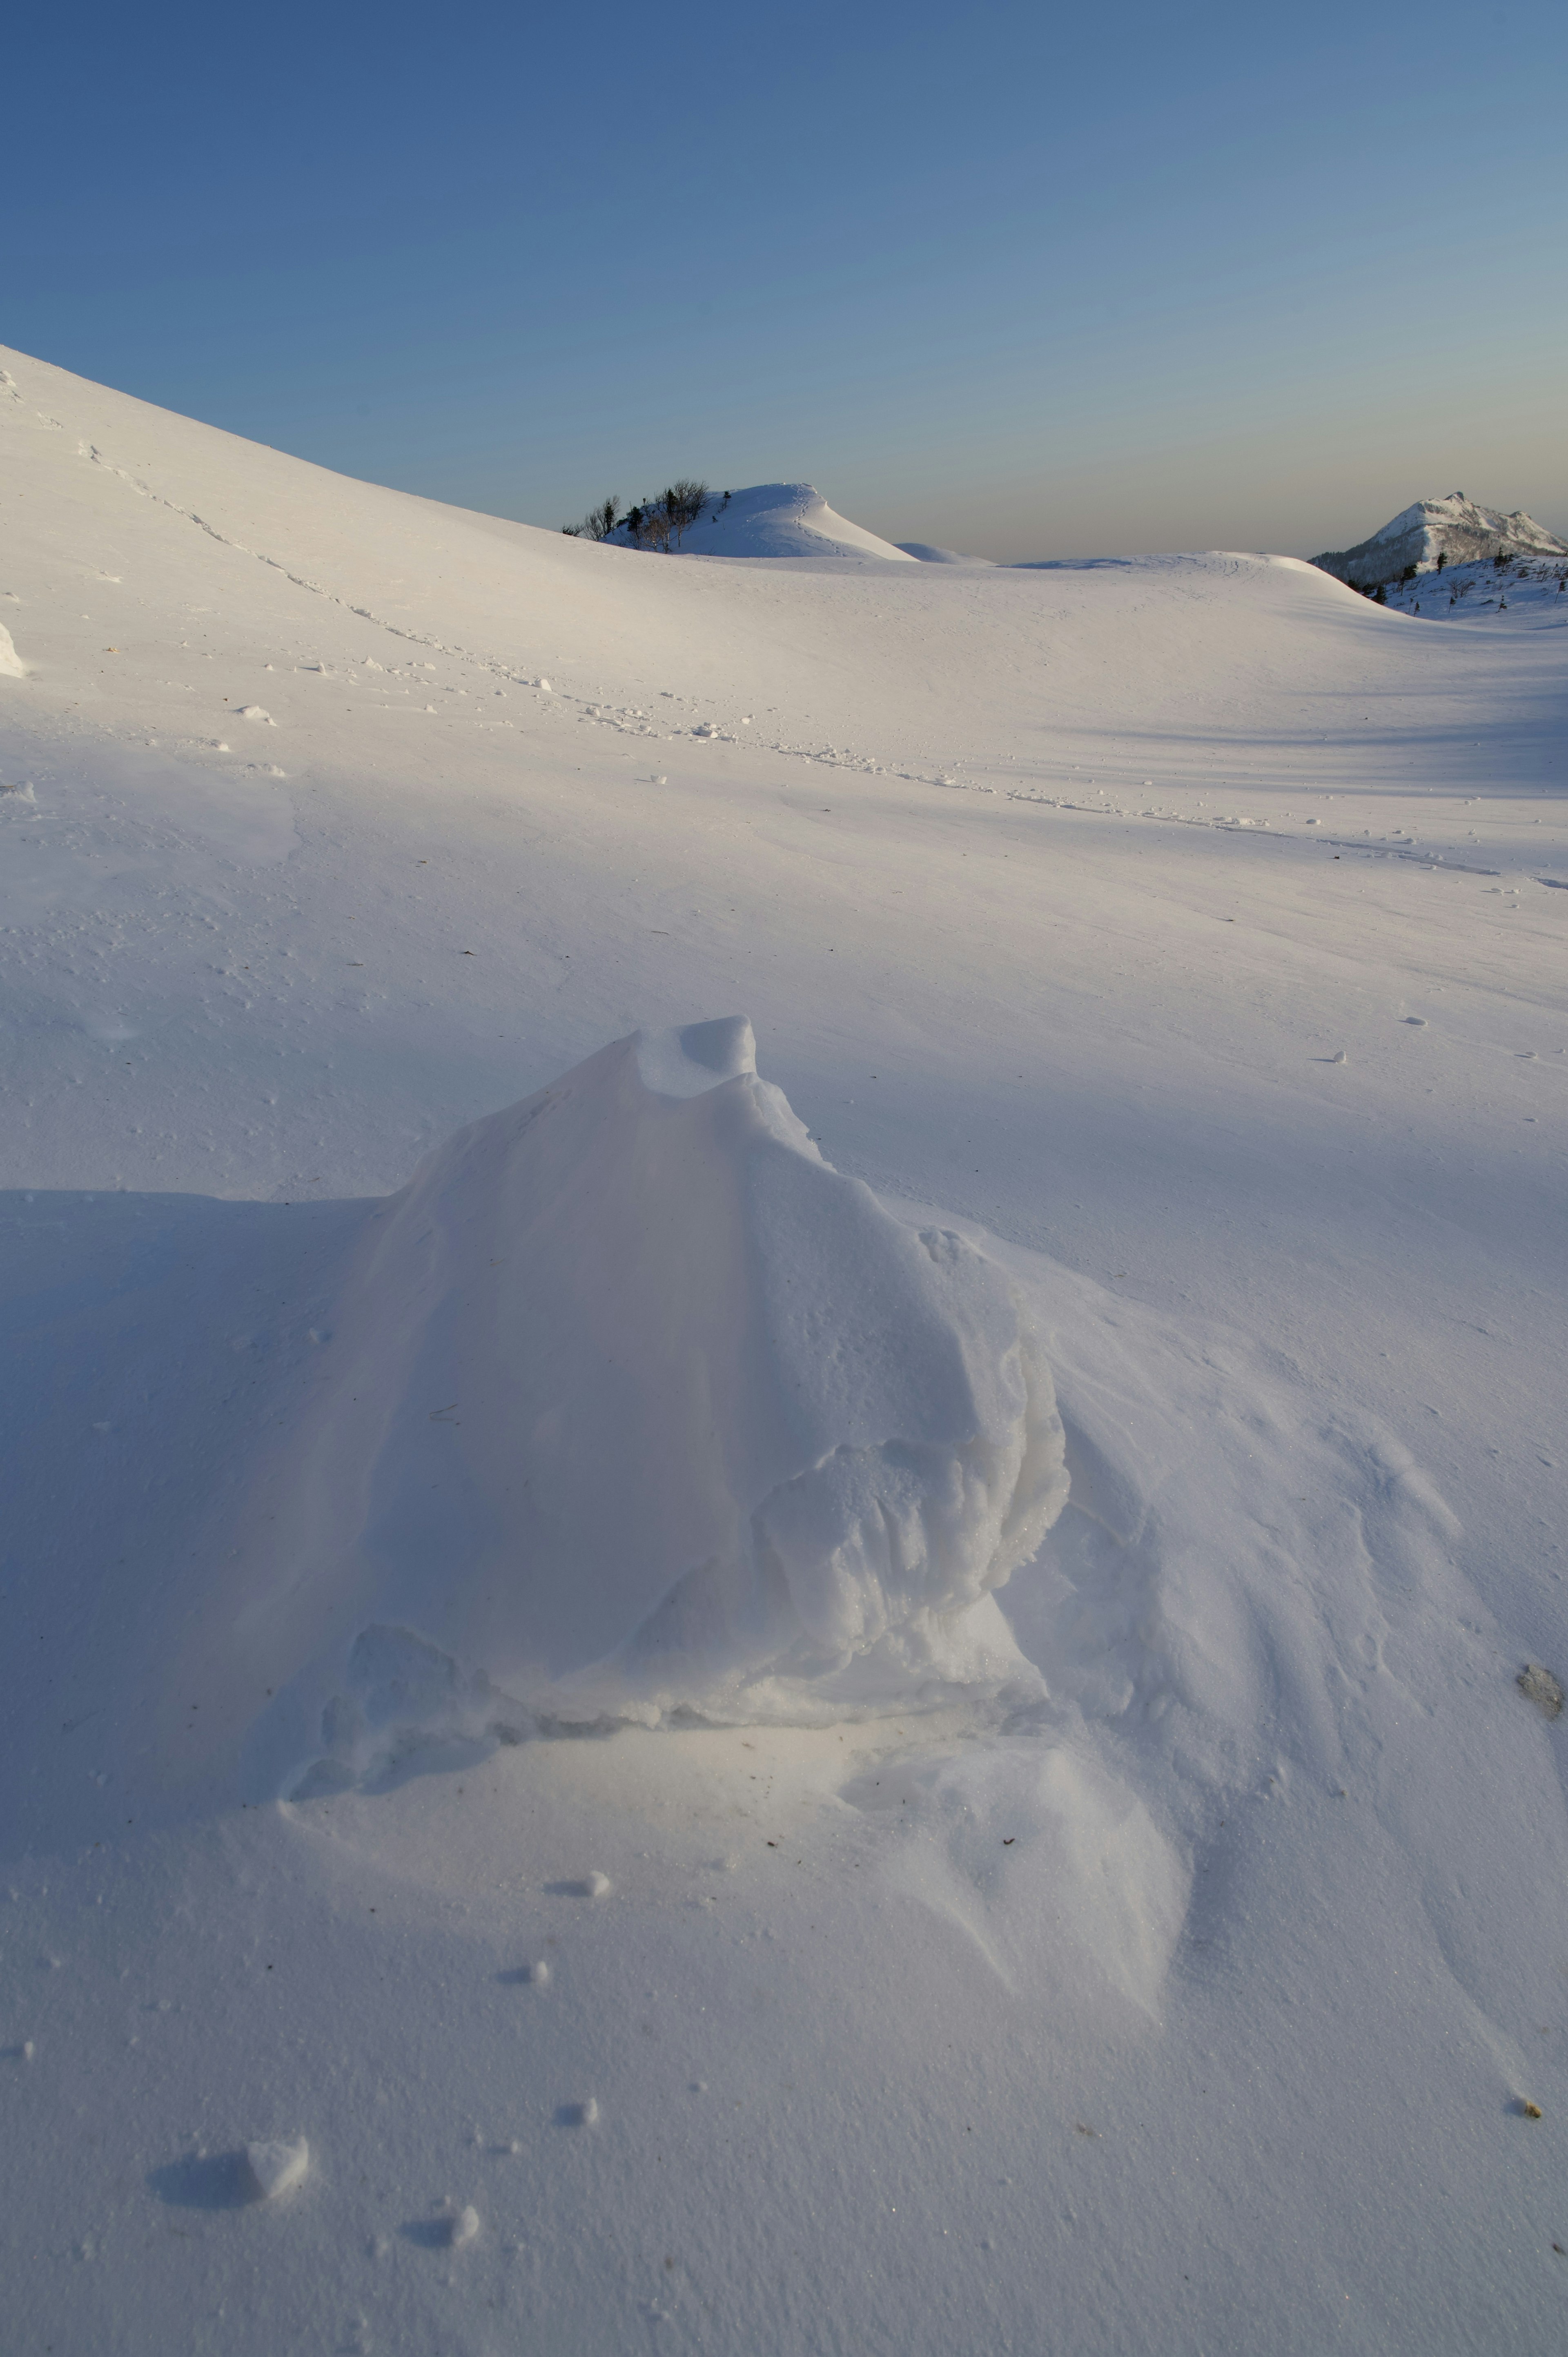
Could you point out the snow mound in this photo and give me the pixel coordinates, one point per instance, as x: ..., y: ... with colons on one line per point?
x: 1454, y: 528
x: 11, y: 664
x: 782, y: 520
x: 276, y: 2166
x: 642, y: 1409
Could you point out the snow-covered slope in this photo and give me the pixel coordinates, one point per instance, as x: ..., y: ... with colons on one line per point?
x: 1183, y: 936
x: 928, y: 554
x: 1454, y: 528
x: 781, y: 520
x: 1523, y: 592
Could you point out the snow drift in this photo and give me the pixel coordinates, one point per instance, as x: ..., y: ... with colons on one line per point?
x: 641, y: 1407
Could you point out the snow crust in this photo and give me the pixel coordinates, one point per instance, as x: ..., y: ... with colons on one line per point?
x: 708, y: 1429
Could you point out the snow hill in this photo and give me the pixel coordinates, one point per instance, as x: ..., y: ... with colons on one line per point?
x: 780, y: 519
x: 568, y: 1776
x: 1454, y: 528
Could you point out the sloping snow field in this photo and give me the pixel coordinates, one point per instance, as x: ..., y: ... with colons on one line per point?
x: 425, y: 1928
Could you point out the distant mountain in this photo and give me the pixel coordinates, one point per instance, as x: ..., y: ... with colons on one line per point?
x: 1454, y: 528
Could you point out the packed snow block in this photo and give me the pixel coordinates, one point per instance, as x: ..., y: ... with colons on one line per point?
x: 643, y: 1407
x: 276, y: 2166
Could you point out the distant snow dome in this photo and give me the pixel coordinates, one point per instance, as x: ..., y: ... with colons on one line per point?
x: 1454, y: 528
x: 641, y: 1409
x: 781, y: 520
x: 925, y: 553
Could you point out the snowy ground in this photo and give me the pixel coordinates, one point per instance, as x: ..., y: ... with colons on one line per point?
x: 1524, y: 592
x: 1194, y: 2006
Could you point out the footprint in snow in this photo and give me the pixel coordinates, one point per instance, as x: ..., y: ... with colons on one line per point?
x: 264, y: 2170
x: 578, y: 2116
x: 450, y: 2230
x: 585, y: 1886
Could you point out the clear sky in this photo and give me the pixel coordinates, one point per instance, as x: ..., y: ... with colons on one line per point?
x: 1024, y: 280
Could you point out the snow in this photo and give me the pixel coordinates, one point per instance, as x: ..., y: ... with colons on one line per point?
x: 928, y: 554
x: 1456, y: 528
x: 1522, y: 594
x: 782, y: 520
x: 276, y: 2166
x: 1181, y: 938
x: 705, y: 1426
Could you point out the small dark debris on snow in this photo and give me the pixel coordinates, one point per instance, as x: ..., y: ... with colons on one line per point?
x: 1539, y: 1686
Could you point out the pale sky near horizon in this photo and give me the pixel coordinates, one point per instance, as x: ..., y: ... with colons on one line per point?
x: 1018, y: 281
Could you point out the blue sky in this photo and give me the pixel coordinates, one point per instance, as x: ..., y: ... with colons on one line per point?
x: 1027, y: 281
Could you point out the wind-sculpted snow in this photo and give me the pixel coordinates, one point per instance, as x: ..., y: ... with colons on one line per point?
x: 641, y: 1407
x: 1185, y: 933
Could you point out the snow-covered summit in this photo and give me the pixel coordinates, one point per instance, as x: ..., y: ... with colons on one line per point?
x: 781, y: 520
x: 1454, y: 528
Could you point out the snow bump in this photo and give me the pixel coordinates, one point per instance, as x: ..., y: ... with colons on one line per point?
x: 642, y: 1409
